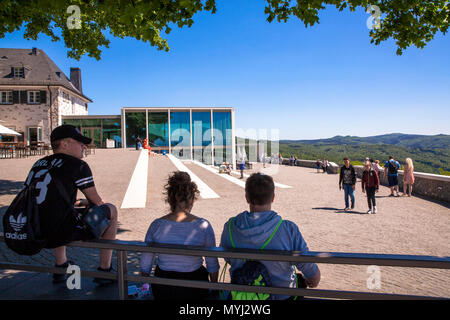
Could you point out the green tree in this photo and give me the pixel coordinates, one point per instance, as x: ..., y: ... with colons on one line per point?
x: 408, y: 22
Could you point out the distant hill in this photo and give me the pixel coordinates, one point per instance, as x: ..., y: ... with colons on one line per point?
x: 440, y: 141
x: 429, y: 153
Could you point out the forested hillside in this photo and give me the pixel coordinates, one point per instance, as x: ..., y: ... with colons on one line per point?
x: 430, y: 154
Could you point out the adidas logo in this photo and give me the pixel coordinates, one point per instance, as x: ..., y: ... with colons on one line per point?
x: 17, y: 224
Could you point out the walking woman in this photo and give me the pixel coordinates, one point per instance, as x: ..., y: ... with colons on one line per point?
x: 370, y: 183
x: 408, y: 177
x: 182, y: 228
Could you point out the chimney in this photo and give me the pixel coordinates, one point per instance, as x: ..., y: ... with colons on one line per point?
x: 34, y: 51
x: 75, y: 78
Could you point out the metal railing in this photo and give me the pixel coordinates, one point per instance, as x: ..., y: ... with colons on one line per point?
x: 122, y: 276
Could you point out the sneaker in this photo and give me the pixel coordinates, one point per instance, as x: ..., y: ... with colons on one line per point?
x: 61, y: 277
x: 391, y: 195
x: 353, y: 206
x: 374, y: 210
x: 103, y: 281
x: 346, y: 209
x: 369, y: 212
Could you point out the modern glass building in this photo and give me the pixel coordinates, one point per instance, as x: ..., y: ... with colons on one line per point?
x: 202, y: 134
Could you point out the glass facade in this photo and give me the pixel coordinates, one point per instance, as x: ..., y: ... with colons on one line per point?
x: 201, y: 136
x: 111, y: 129
x: 99, y: 129
x: 180, y: 134
x: 222, y: 137
x: 158, y: 129
x: 135, y: 123
x: 186, y: 134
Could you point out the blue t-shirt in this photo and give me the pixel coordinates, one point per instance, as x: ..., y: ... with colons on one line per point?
x: 252, y: 229
x: 394, y: 163
x: 194, y: 233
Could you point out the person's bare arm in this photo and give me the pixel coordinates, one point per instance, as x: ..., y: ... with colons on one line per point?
x: 92, y: 196
x: 313, y: 281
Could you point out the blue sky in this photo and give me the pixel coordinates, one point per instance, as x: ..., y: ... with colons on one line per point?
x: 309, y: 83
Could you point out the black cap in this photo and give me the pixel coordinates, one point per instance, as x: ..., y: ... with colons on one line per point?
x: 68, y: 131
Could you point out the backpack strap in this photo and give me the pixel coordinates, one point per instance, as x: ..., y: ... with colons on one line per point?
x: 273, y: 233
x: 265, y: 243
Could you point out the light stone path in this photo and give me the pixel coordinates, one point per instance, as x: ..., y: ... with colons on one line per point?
x: 402, y: 226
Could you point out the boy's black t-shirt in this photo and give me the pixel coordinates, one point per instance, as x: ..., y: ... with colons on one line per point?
x: 74, y: 174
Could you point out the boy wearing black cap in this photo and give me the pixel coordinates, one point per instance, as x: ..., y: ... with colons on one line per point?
x: 65, y: 165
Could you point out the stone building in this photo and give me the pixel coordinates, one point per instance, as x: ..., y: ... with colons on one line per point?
x: 35, y: 94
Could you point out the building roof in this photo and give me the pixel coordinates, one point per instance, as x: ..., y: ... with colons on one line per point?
x: 39, y: 70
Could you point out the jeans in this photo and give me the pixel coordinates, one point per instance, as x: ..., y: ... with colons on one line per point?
x: 370, y: 191
x: 348, y: 190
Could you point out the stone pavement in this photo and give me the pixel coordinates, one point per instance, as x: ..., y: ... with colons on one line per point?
x: 403, y: 225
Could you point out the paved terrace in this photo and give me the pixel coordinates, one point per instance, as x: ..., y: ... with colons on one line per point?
x: 402, y: 225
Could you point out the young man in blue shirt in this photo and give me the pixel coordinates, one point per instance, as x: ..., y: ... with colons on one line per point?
x: 250, y: 229
x: 391, y: 168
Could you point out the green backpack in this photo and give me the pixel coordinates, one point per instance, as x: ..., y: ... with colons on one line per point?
x: 252, y: 272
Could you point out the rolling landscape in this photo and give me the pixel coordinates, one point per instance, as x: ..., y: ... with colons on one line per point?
x: 431, y: 154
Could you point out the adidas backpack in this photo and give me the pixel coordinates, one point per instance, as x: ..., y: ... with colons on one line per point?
x: 21, y: 226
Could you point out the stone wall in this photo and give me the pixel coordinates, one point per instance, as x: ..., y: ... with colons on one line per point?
x: 70, y: 105
x: 22, y: 116
x: 426, y: 184
x: 333, y: 168
x: 432, y: 186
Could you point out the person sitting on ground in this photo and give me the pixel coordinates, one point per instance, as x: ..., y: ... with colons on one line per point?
x: 250, y: 229
x: 73, y: 174
x: 370, y: 184
x: 182, y: 228
x: 228, y: 168
x: 408, y: 177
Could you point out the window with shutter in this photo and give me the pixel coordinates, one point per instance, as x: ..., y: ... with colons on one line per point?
x: 23, y: 97
x: 15, y: 98
x: 43, y: 97
x: 34, y: 97
x: 6, y: 97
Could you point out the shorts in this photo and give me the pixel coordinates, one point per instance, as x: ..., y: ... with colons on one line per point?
x: 393, y: 181
x: 75, y: 229
x: 241, y: 166
x: 98, y: 221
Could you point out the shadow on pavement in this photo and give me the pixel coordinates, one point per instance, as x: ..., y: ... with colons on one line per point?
x: 10, y: 187
x: 336, y: 210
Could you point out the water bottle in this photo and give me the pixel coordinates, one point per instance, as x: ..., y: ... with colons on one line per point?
x: 139, y: 292
x: 144, y: 291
